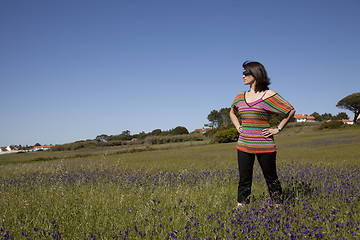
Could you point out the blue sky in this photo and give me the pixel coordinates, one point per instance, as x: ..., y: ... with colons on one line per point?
x: 72, y: 70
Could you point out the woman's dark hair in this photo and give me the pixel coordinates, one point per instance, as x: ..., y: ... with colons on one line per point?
x: 258, y: 71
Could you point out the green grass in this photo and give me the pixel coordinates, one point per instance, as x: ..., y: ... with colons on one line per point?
x: 329, y: 147
x: 184, y: 187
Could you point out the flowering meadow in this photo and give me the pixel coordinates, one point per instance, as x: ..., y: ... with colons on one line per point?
x: 186, y: 193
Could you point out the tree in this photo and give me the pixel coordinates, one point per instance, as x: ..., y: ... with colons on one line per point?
x: 224, y: 117
x: 126, y: 133
x: 156, y: 132
x: 140, y: 135
x: 341, y: 116
x: 326, y: 116
x: 214, y: 118
x: 124, y: 136
x: 351, y: 103
x: 179, y: 131
x: 317, y: 116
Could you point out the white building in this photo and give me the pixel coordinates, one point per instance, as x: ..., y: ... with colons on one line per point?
x: 37, y: 148
x: 346, y: 121
x: 304, y: 118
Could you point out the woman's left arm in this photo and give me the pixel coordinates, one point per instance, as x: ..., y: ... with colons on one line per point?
x: 273, y: 131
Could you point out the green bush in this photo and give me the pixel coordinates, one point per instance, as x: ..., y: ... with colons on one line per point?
x: 274, y: 121
x: 331, y: 124
x: 174, y: 138
x: 212, y: 132
x: 179, y: 131
x: 227, y: 135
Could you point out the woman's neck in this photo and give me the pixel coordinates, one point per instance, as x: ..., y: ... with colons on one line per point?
x: 252, y: 88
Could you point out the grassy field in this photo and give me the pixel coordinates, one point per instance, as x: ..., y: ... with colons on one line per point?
x: 183, y: 191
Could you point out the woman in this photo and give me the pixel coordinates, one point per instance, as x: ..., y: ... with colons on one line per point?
x: 256, y: 137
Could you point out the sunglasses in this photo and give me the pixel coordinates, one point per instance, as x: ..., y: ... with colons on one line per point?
x: 246, y: 73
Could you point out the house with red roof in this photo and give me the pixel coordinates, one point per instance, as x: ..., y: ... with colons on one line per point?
x: 8, y: 149
x: 202, y: 130
x: 347, y: 121
x: 304, y: 118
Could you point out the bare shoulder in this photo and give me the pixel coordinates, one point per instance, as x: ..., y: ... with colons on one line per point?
x: 270, y: 93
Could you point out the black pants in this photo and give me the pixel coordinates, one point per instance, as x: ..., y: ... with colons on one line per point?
x: 267, y: 163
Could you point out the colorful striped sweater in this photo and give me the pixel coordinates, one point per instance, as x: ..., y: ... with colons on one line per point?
x: 255, y: 118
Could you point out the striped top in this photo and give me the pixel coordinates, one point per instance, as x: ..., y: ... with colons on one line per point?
x: 255, y: 117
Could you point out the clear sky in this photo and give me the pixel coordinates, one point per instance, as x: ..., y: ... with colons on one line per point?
x: 74, y: 69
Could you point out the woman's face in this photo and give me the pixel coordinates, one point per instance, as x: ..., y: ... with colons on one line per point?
x: 248, y: 78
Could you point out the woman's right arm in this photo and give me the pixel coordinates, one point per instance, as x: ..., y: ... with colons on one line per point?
x: 235, y: 120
